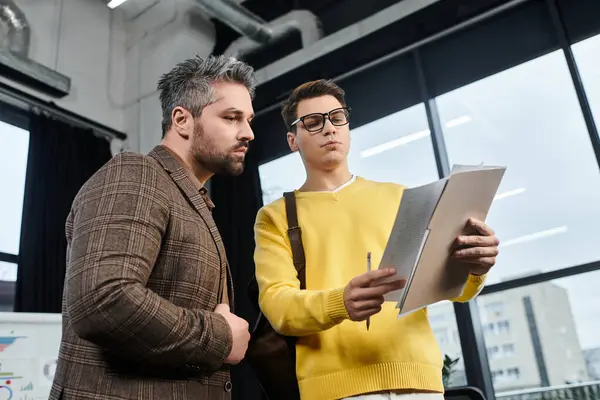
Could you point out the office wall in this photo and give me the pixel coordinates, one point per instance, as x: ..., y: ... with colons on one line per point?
x: 115, y: 57
x: 165, y: 34
x: 75, y: 38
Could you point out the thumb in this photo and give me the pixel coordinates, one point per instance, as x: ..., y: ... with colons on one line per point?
x: 222, y: 308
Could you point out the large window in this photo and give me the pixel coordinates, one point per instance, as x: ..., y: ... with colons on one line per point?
x: 401, y: 140
x: 444, y: 326
x: 528, y: 119
x: 546, y: 332
x: 281, y: 175
x: 14, y: 145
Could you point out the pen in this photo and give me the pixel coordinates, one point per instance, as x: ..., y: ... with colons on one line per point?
x: 368, y: 270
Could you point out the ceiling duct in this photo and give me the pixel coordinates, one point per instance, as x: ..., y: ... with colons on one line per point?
x: 14, y: 55
x: 256, y: 33
x: 302, y: 21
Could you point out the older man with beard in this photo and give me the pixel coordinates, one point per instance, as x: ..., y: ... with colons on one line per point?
x: 146, y: 305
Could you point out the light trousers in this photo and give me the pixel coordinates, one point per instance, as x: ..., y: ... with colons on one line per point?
x: 398, y: 396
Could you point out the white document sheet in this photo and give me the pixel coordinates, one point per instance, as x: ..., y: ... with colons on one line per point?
x: 410, y: 231
x: 429, y: 219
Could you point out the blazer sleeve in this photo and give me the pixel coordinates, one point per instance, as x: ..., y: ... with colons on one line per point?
x: 119, y: 218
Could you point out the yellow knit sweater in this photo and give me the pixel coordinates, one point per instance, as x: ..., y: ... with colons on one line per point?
x: 337, y: 357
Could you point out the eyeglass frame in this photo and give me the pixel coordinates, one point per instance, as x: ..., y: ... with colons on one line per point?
x: 326, y: 115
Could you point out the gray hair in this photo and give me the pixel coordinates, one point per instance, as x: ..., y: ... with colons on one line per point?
x: 189, y: 84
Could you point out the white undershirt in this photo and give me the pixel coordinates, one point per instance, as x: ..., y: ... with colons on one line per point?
x: 345, y: 184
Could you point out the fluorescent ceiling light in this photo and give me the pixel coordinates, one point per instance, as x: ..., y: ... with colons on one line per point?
x: 458, y: 121
x: 410, y: 138
x: 394, y: 143
x: 535, y: 236
x: 509, y: 193
x: 115, y: 3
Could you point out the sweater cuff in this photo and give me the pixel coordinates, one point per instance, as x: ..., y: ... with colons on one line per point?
x: 335, y: 309
x: 477, y: 279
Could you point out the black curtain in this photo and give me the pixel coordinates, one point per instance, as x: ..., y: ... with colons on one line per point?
x: 237, y: 200
x: 61, y: 159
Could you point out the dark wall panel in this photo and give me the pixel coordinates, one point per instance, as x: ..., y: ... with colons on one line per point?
x: 269, y: 136
x: 400, y: 34
x: 581, y: 18
x: 382, y: 90
x: 506, y: 40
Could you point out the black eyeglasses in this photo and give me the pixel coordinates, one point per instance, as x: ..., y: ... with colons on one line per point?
x: 316, y: 121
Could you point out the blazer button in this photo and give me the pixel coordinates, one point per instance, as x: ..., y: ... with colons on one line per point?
x: 228, y: 386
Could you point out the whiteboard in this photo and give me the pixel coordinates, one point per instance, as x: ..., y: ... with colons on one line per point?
x: 29, y: 346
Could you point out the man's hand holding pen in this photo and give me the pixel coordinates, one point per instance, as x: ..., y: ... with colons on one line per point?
x: 363, y: 296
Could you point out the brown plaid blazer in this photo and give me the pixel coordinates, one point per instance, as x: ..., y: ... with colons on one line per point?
x: 145, y: 269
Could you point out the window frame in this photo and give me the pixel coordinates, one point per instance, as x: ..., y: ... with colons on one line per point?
x: 15, y: 116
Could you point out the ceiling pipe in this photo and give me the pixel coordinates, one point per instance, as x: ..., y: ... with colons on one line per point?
x: 302, y: 21
x: 256, y: 33
x: 18, y: 31
x: 238, y: 18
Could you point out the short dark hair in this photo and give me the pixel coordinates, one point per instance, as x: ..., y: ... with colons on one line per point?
x: 309, y: 90
x: 188, y: 84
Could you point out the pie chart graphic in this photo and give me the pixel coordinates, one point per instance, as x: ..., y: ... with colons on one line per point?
x: 49, y: 370
x: 5, y: 393
x: 7, y: 341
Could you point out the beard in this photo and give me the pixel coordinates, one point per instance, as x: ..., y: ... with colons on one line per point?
x: 214, y: 160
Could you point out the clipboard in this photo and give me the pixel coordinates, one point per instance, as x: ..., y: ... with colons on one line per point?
x: 429, y: 219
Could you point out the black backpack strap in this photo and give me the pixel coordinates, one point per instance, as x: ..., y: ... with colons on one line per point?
x: 295, y: 236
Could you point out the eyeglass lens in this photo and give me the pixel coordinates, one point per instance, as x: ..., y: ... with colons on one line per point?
x: 315, y: 122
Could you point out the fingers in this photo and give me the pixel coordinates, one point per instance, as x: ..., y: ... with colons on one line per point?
x: 476, y: 252
x: 364, y: 302
x: 366, y: 279
x: 381, y: 289
x: 480, y: 226
x: 365, y: 305
x: 481, y: 248
x: 376, y: 292
x: 364, y: 314
x: 477, y: 240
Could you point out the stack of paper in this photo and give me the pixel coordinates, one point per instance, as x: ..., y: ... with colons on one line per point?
x: 429, y: 220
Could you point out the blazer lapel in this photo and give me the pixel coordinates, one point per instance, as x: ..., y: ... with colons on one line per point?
x: 180, y: 177
x: 191, y: 192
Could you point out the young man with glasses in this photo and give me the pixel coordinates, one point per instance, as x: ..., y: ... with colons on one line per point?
x: 343, y: 217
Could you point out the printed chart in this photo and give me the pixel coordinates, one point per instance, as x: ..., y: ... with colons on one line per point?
x: 28, y: 352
